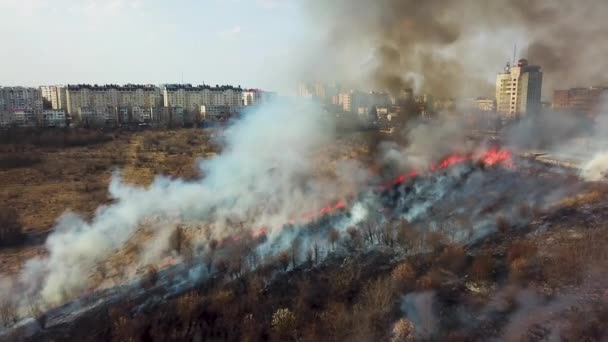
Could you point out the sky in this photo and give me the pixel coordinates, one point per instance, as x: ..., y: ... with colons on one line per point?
x: 239, y: 42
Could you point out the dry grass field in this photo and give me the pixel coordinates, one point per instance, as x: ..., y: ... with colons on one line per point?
x: 40, y: 182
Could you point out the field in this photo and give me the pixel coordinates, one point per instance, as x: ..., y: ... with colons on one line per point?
x: 44, y: 178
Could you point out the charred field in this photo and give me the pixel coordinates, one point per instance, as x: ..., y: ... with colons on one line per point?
x: 469, y: 251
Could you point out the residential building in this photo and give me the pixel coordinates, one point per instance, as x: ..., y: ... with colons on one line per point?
x: 20, y: 98
x: 518, y: 90
x: 20, y: 106
x: 585, y: 101
x: 111, y: 96
x: 252, y: 97
x: 479, y: 104
x: 193, y: 98
x: 55, y: 97
x: 98, y: 116
x: 54, y: 118
x: 142, y: 114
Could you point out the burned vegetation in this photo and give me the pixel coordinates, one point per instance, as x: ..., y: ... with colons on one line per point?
x: 471, y: 250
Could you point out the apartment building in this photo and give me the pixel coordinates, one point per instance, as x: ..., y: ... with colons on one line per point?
x: 20, y: 106
x: 54, y: 97
x: 479, y: 104
x: 110, y: 98
x: 518, y: 90
x: 196, y: 98
x: 585, y: 101
x: 54, y: 118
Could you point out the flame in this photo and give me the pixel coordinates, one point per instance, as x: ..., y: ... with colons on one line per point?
x: 495, y: 156
x: 450, y: 161
x: 490, y: 157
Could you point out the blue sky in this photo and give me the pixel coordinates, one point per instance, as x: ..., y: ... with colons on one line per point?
x: 244, y: 42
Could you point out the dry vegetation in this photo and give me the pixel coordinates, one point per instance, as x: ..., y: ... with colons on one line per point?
x: 522, y: 285
x: 526, y: 283
x: 45, y: 174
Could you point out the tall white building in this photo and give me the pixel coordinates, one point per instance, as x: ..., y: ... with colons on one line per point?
x: 518, y: 90
x: 56, y: 96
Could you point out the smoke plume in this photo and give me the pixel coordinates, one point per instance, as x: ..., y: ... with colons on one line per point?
x: 262, y: 179
x: 455, y: 48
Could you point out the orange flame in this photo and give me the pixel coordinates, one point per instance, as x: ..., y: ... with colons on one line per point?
x: 490, y: 157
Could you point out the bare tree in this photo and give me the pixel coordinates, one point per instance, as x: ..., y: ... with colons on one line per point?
x: 333, y: 237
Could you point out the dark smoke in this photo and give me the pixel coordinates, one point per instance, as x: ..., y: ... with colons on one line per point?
x: 454, y: 48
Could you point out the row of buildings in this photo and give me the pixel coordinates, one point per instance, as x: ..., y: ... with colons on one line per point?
x: 110, y: 105
x: 582, y: 101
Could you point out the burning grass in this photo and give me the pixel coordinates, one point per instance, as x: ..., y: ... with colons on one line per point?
x: 430, y: 263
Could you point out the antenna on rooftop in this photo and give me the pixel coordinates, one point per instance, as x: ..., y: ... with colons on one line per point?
x: 514, y: 54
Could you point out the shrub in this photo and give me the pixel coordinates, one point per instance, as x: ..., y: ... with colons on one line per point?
x: 8, y: 312
x: 403, y: 276
x: 283, y: 324
x: 452, y: 258
x: 10, y: 229
x: 482, y: 267
x: 403, y: 331
x: 521, y: 249
x: 187, y: 306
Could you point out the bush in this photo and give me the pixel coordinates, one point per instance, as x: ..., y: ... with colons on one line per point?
x: 452, y: 258
x: 482, y: 267
x: 403, y: 276
x: 11, y: 232
x: 403, y: 331
x: 283, y: 324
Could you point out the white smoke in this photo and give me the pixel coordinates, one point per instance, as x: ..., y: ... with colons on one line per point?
x: 263, y: 178
x: 596, y: 169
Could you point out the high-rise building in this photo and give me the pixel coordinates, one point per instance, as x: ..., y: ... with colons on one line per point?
x: 54, y: 96
x: 20, y: 106
x: 585, y: 101
x: 20, y: 98
x: 518, y: 90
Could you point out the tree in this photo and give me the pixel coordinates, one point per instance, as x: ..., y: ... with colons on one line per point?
x: 333, y: 237
x: 283, y: 324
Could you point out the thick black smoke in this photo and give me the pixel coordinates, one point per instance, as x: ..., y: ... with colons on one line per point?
x: 454, y: 48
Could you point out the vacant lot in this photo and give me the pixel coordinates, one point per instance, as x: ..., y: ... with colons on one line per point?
x: 41, y: 182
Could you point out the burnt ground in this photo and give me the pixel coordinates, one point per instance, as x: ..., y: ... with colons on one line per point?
x: 532, y: 275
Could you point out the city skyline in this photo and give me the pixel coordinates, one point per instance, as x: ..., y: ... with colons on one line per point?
x: 148, y: 42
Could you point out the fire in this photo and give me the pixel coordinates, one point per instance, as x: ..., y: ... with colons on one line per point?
x: 450, y: 161
x: 490, y: 157
x: 494, y: 157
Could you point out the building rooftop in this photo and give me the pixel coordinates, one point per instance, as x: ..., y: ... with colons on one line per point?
x: 190, y: 87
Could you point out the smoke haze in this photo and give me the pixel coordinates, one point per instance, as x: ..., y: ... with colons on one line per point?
x: 455, y: 48
x: 263, y: 178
